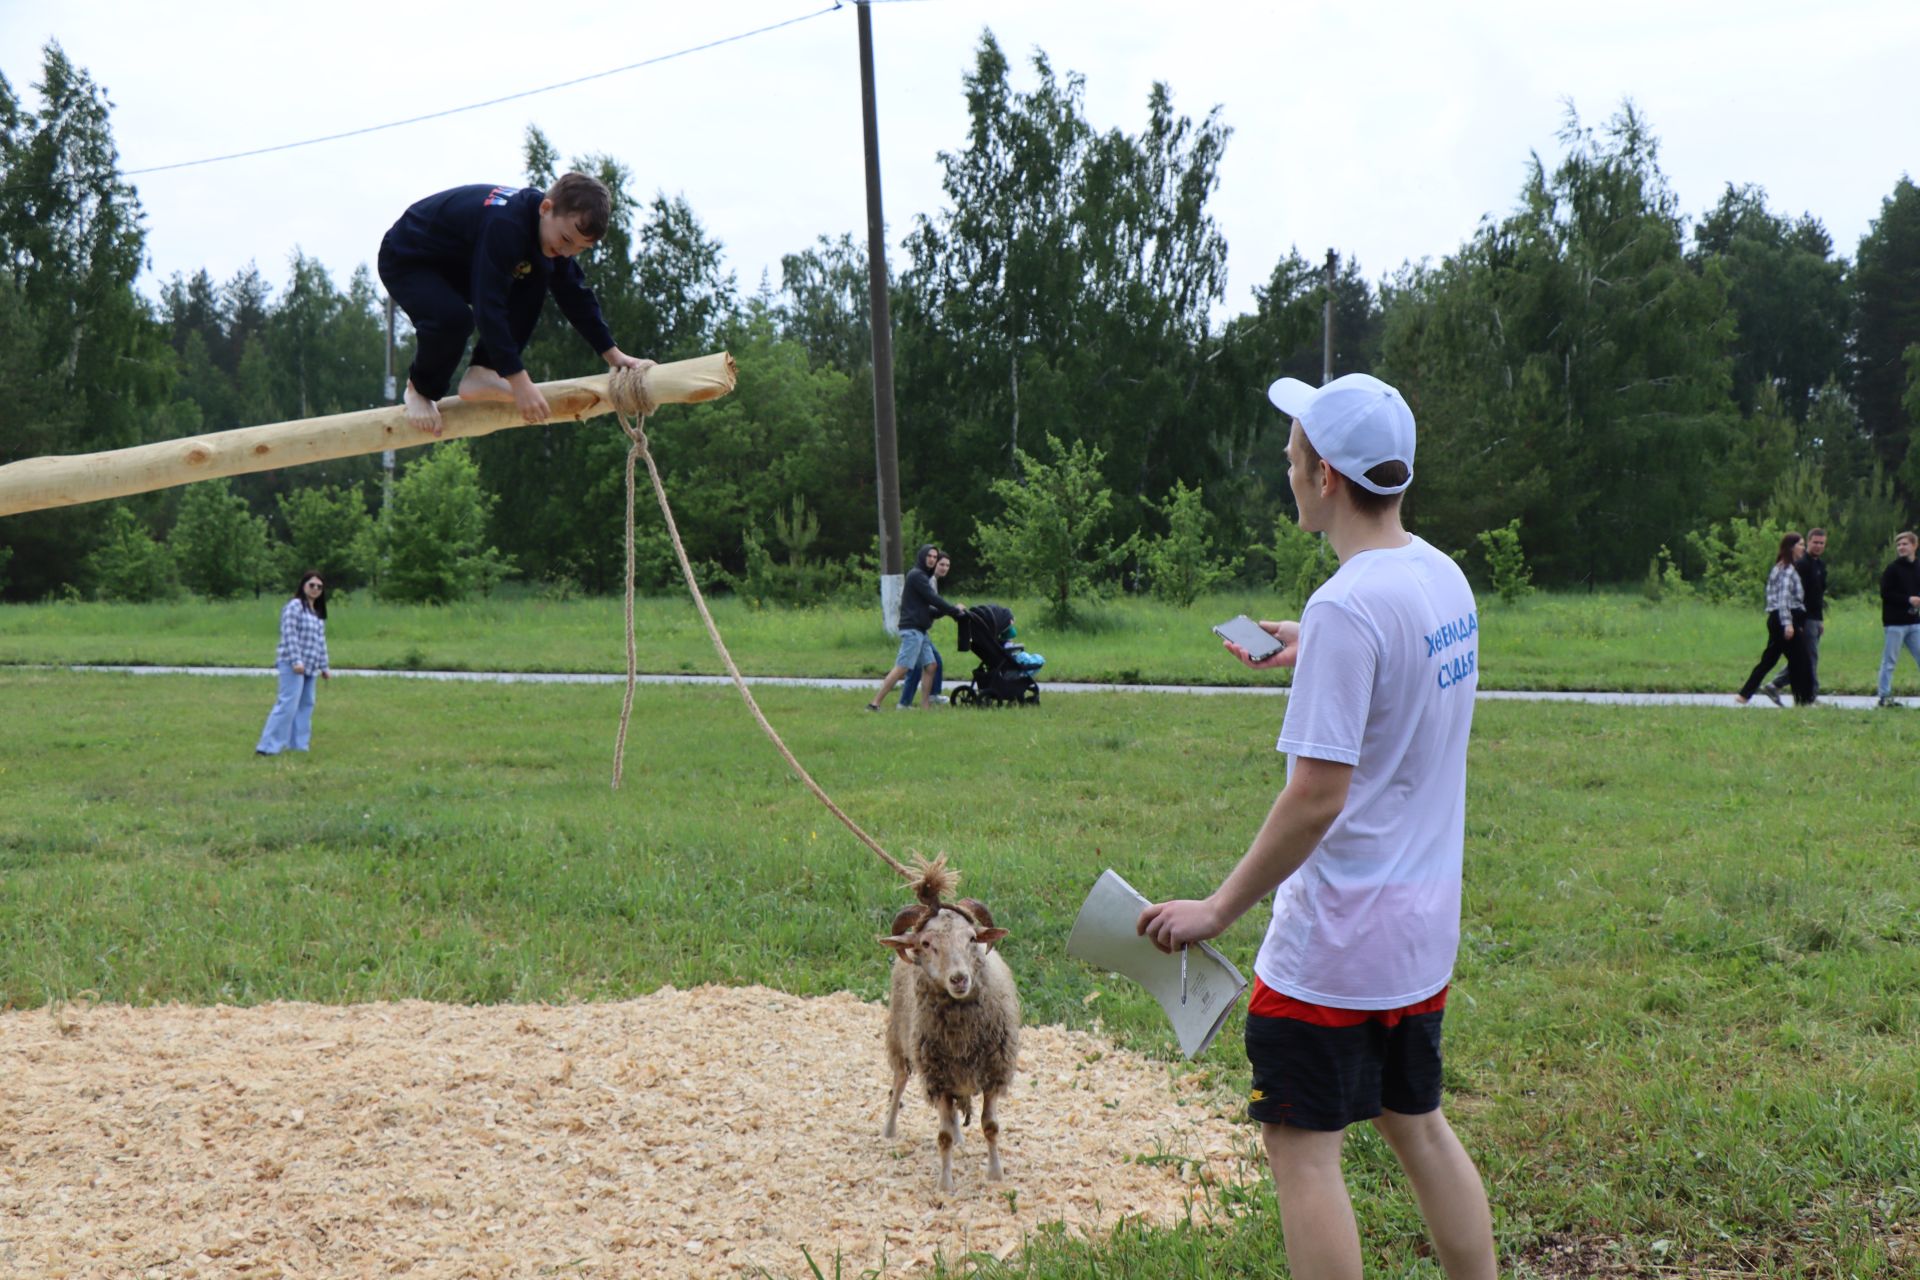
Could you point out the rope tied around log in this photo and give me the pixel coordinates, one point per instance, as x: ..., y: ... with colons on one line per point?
x: 628, y: 390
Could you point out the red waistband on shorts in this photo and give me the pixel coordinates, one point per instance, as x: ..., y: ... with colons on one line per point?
x: 1268, y: 1003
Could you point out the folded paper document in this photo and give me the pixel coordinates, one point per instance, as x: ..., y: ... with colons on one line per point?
x: 1197, y: 986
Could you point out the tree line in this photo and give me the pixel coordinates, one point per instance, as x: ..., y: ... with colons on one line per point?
x: 1608, y: 388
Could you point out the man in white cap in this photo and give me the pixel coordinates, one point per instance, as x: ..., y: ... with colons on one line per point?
x: 1362, y: 849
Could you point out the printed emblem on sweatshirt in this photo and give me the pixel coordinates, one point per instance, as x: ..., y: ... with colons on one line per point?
x: 497, y: 196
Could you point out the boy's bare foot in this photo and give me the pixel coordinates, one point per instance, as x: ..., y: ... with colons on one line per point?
x: 422, y: 412
x: 483, y: 384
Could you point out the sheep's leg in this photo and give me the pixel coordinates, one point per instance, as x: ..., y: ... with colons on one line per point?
x: 990, y: 1127
x: 949, y: 1134
x: 900, y: 1074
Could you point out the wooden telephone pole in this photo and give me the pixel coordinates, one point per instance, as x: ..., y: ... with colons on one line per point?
x: 885, y: 449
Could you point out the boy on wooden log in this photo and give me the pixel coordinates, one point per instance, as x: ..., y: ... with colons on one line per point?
x: 485, y: 258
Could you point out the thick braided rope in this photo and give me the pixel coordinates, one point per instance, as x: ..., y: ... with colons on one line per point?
x: 632, y: 406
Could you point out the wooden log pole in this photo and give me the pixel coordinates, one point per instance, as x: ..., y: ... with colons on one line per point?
x: 35, y: 484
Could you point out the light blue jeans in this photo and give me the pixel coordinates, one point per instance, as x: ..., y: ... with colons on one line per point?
x: 290, y: 723
x: 1897, y: 639
x: 911, y: 681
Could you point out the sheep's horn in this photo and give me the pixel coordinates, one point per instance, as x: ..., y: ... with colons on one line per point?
x: 909, y: 920
x: 976, y: 911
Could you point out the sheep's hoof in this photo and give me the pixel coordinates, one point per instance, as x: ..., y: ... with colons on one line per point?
x: 993, y: 1173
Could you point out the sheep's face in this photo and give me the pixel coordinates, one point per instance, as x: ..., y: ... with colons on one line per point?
x: 950, y: 949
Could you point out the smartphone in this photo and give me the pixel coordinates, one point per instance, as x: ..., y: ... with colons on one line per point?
x: 1249, y: 635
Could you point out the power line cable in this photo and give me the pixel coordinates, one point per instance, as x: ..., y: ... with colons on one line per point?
x: 451, y: 111
x: 490, y: 102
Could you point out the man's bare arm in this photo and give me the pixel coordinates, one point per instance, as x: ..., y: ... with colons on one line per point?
x: 1299, y: 818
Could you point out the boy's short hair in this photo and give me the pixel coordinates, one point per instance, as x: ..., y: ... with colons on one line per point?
x: 1385, y: 474
x: 585, y: 197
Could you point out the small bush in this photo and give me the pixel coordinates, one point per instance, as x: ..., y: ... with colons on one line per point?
x: 1043, y: 540
x: 1301, y: 560
x: 434, y: 545
x: 221, y: 547
x: 1512, y: 579
x: 1735, y: 558
x: 1180, y: 565
x: 130, y: 565
x: 1663, y: 581
x: 329, y: 529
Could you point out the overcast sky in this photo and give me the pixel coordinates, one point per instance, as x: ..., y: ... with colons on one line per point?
x: 1386, y: 130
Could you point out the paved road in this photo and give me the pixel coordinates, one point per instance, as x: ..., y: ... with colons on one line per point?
x: 1855, y: 702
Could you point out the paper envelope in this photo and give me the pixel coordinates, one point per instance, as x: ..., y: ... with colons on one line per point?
x: 1103, y: 936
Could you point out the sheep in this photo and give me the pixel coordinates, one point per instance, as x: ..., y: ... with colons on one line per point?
x: 953, y: 1014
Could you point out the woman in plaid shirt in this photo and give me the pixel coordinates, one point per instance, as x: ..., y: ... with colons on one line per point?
x: 1786, y: 620
x: 301, y: 660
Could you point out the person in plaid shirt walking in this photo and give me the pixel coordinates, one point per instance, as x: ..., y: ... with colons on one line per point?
x: 1786, y: 626
x: 301, y: 660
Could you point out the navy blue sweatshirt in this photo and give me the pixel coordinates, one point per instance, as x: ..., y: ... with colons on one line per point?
x: 486, y: 242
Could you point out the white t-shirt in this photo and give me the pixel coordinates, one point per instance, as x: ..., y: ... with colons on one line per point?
x: 1389, y: 661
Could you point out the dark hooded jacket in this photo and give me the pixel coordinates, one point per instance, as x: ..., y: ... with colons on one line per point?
x: 920, y: 604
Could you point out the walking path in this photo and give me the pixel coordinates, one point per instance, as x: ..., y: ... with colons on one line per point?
x: 1854, y: 702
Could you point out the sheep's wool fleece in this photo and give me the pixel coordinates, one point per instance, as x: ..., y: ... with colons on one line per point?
x: 688, y: 1133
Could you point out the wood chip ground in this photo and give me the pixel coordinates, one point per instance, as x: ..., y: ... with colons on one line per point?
x: 712, y: 1132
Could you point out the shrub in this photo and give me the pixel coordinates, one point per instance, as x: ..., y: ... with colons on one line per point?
x: 328, y: 529
x: 1299, y: 558
x: 434, y: 547
x: 1735, y: 557
x: 1512, y: 579
x: 799, y: 579
x: 1315, y: 569
x: 1043, y: 541
x: 222, y: 548
x: 130, y: 565
x: 1663, y: 581
x: 1180, y: 565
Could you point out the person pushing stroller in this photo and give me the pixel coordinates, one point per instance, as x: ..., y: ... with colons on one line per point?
x: 920, y: 604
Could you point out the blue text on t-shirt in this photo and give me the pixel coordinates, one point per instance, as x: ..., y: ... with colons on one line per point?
x: 1459, y: 631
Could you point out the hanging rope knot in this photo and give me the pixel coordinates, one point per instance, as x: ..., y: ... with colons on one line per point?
x: 627, y: 388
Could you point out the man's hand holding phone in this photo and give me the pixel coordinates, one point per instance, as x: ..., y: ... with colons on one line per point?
x: 1261, y: 645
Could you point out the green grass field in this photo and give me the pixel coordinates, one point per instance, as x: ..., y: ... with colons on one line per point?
x: 1614, y: 641
x: 1685, y: 1033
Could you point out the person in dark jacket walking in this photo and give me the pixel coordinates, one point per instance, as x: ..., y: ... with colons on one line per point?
x: 911, y: 682
x: 1900, y: 610
x: 1786, y: 616
x: 485, y: 258
x: 920, y: 604
x: 1812, y: 568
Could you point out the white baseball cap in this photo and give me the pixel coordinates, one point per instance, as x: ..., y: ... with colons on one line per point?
x: 1356, y: 422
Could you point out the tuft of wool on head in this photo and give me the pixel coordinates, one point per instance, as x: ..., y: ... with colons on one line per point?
x: 933, y: 879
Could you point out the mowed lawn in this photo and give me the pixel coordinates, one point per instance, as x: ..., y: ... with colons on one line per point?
x: 1603, y: 640
x: 1683, y: 1033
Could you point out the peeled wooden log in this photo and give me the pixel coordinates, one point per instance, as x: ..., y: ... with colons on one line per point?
x: 35, y: 484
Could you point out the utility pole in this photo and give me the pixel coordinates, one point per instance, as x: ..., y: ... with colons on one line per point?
x: 386, y: 457
x: 1326, y: 355
x: 885, y: 450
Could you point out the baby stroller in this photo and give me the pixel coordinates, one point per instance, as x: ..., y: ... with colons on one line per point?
x: 1004, y: 677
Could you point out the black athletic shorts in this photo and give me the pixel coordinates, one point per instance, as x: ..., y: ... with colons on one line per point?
x: 1316, y: 1067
